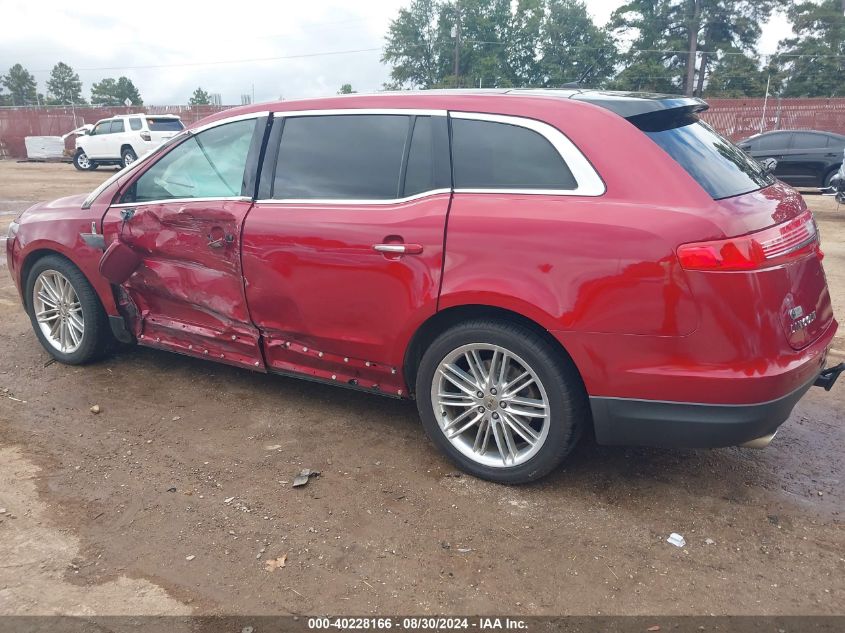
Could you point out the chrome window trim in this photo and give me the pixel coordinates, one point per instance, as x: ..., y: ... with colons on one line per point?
x: 589, y: 183
x: 231, y: 119
x: 354, y: 202
x: 183, y: 200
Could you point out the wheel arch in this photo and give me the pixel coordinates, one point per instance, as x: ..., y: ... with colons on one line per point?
x: 127, y: 146
x: 449, y: 317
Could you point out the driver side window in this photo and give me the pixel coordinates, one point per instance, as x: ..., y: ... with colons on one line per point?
x: 207, y: 165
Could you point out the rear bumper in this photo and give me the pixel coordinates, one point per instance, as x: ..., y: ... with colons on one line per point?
x: 688, y: 425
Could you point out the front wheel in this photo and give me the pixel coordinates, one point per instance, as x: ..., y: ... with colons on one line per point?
x: 500, y: 401
x: 82, y: 162
x: 66, y: 312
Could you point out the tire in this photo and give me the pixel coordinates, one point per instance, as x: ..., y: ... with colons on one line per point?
x: 478, y: 449
x: 127, y: 157
x: 828, y: 177
x: 49, y: 277
x: 82, y: 162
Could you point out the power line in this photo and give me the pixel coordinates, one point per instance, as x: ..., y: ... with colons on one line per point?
x: 229, y: 61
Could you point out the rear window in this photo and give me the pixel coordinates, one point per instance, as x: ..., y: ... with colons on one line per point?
x: 720, y: 167
x: 165, y: 125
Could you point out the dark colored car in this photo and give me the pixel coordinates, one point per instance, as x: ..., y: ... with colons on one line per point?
x: 527, y: 265
x: 805, y: 158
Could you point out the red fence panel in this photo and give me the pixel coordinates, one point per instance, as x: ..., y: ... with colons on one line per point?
x: 18, y: 123
x: 740, y: 118
x: 735, y: 118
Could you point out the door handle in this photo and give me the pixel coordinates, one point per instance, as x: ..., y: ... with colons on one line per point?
x: 399, y: 249
x: 220, y: 242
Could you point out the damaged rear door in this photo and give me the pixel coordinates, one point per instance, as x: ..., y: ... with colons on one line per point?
x: 182, y: 217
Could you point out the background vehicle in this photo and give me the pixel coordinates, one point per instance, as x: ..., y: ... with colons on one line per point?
x: 493, y: 254
x: 121, y: 140
x: 805, y: 158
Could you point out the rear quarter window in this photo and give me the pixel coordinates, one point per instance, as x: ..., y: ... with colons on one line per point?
x: 491, y: 155
x: 720, y: 167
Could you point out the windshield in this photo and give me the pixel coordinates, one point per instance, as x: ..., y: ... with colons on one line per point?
x: 720, y: 167
x: 132, y: 167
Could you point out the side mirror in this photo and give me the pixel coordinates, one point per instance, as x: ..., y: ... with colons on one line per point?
x: 769, y: 165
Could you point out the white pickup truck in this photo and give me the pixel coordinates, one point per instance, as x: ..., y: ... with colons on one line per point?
x: 121, y: 140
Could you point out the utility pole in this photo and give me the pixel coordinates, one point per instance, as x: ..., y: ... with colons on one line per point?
x: 456, y: 33
x: 693, y: 44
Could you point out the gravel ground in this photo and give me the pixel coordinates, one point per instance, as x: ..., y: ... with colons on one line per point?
x: 174, y: 498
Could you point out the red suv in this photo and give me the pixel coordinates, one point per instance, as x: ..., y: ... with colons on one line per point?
x: 526, y: 264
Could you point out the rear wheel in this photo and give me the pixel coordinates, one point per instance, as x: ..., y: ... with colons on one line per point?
x: 828, y: 178
x: 82, y: 162
x: 499, y: 401
x: 127, y: 157
x: 66, y: 312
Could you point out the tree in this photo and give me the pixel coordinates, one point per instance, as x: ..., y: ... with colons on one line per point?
x: 813, y: 61
x: 677, y: 42
x: 572, y: 47
x: 413, y: 46
x: 492, y: 43
x: 200, y: 97
x: 113, y: 93
x: 21, y: 86
x: 346, y: 89
x: 64, y: 86
x: 737, y: 75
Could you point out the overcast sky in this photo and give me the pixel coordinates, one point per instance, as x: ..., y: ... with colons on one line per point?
x: 223, y: 47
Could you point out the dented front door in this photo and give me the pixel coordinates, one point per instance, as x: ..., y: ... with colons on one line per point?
x: 183, y: 218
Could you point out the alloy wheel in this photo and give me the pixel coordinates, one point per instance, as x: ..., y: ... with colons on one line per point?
x: 58, y: 311
x: 491, y: 405
x: 83, y: 161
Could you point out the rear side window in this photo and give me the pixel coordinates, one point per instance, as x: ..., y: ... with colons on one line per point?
x: 117, y: 126
x: 135, y: 124
x: 420, y: 175
x: 720, y: 167
x: 164, y: 125
x: 341, y: 157
x: 490, y: 155
x: 808, y: 141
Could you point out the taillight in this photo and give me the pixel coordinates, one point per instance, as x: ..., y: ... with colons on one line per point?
x: 146, y: 136
x: 763, y: 249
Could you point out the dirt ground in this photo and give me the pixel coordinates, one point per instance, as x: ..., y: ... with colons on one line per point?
x: 175, y: 496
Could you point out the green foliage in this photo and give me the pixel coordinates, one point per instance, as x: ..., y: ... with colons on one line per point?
x: 64, y: 86
x: 114, y: 92
x: 808, y: 60
x: 739, y: 75
x: 542, y: 43
x: 658, y: 55
x: 200, y: 97
x: 346, y: 89
x: 21, y: 86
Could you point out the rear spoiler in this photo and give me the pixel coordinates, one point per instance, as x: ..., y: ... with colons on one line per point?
x: 636, y: 104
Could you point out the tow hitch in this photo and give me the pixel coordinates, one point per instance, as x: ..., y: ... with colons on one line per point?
x: 828, y: 376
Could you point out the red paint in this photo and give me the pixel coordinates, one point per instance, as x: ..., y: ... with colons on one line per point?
x: 314, y: 281
x: 301, y: 287
x: 189, y: 288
